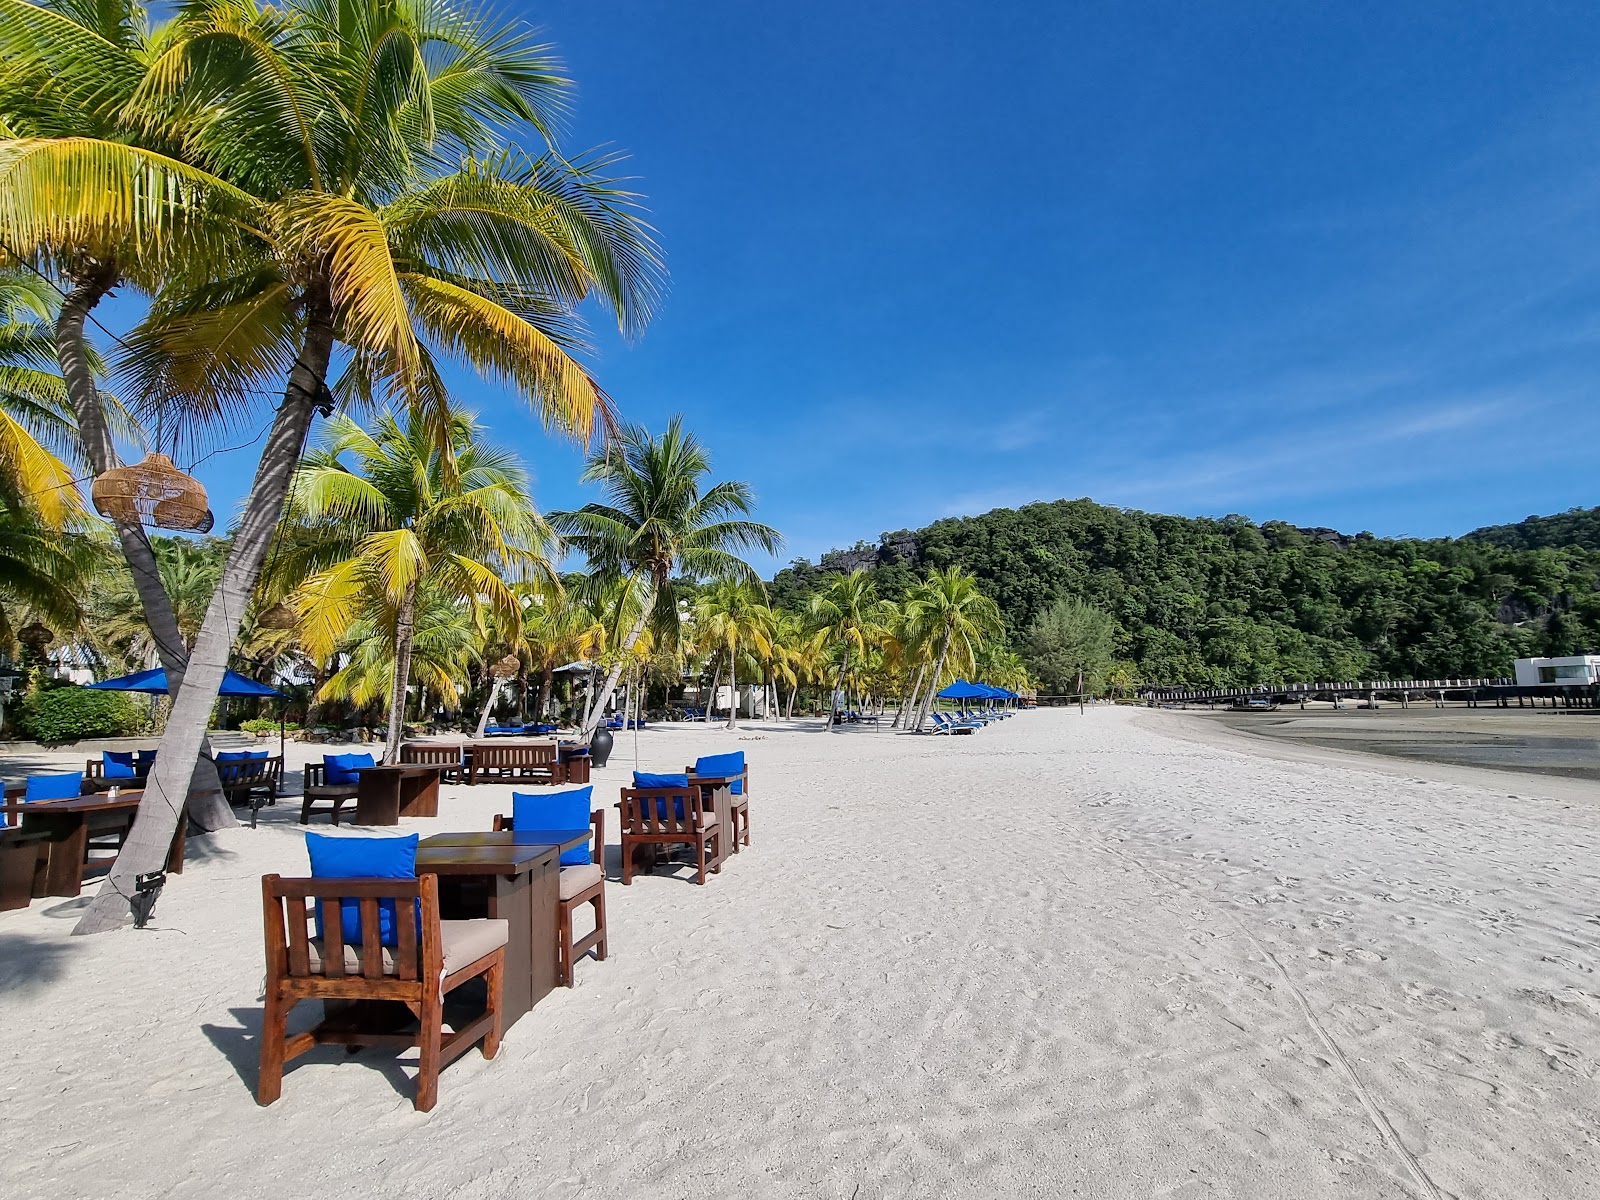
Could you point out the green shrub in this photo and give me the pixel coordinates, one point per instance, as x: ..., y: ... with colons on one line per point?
x: 266, y: 725
x: 68, y: 713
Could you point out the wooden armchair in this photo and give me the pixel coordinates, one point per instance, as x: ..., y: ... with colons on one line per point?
x: 417, y: 972
x: 738, y: 803
x: 581, y: 884
x: 317, y: 789
x: 668, y: 816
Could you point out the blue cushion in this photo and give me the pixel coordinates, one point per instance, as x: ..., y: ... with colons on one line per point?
x: 556, y: 810
x: 66, y: 786
x: 247, y: 756
x: 117, y: 764
x: 642, y: 779
x: 147, y: 756
x: 714, y: 766
x: 341, y: 768
x: 364, y: 858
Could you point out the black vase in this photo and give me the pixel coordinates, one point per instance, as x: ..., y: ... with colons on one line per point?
x: 600, y: 746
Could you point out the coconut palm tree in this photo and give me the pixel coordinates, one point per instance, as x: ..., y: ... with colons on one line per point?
x: 957, y: 617
x: 189, y: 573
x: 315, y: 211
x: 850, y: 616
x: 655, y: 523
x: 444, y: 640
x: 393, y: 510
x: 733, y: 616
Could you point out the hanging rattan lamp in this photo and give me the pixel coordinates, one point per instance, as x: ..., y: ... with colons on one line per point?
x: 153, y: 492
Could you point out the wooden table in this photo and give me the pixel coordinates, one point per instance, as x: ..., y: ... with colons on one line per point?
x: 515, y: 876
x: 68, y: 825
x: 574, y: 760
x: 385, y: 794
x: 720, y: 794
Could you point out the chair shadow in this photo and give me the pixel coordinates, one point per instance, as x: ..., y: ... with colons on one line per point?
x: 29, y: 964
x: 241, y: 1045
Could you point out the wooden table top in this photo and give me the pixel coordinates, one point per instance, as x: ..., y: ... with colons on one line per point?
x: 490, y: 853
x: 99, y: 802
x: 403, y: 768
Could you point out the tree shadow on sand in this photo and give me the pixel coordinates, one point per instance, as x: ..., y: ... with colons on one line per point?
x: 30, y: 964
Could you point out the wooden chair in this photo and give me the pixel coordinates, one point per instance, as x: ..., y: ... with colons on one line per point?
x: 317, y: 790
x: 252, y: 781
x: 534, y: 762
x: 580, y: 884
x: 739, y: 805
x: 451, y: 756
x: 417, y: 973
x: 667, y: 816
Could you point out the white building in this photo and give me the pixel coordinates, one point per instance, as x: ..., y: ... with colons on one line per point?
x: 1575, y: 670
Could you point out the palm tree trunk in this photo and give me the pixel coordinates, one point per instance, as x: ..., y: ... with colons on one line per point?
x: 910, y: 698
x: 793, y: 692
x: 488, y: 705
x: 405, y: 628
x: 838, y: 686
x: 546, y: 682
x: 711, y: 697
x: 933, y: 684
x: 591, y: 722
x: 165, y: 791
x: 733, y: 687
x: 207, y: 808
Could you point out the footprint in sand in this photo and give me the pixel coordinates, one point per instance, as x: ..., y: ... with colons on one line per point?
x: 1360, y: 955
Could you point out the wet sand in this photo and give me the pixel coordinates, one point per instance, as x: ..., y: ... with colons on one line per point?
x: 1554, y: 742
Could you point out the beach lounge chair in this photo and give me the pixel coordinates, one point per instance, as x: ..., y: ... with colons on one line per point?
x: 583, y: 879
x: 943, y: 724
x: 668, y: 815
x: 415, y: 961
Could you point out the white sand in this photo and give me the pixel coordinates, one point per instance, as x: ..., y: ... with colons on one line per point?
x: 1070, y: 955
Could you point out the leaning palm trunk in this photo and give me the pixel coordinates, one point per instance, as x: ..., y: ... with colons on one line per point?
x: 166, y: 790
x: 404, y: 632
x: 909, y: 697
x: 207, y: 808
x: 711, y: 697
x: 838, y: 686
x: 592, y: 721
x: 933, y: 684
x: 488, y: 705
x: 542, y: 712
x: 733, y: 687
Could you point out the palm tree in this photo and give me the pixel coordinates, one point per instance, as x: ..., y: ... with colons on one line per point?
x: 957, y: 616
x: 849, y: 614
x: 400, y: 512
x: 317, y: 211
x: 189, y: 572
x: 733, y: 616
x: 444, y: 641
x: 656, y: 523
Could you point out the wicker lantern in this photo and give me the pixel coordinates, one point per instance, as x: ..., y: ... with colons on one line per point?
x: 506, y: 668
x: 153, y: 492
x: 36, y: 637
x: 279, y: 616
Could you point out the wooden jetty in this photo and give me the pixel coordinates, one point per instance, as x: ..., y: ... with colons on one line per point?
x: 1498, y: 693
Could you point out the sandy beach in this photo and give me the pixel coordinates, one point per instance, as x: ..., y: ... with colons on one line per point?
x: 1102, y: 955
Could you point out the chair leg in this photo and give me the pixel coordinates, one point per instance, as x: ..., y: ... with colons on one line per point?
x: 273, y: 1032
x: 495, y: 977
x: 430, y: 1039
x: 600, y: 924
x: 700, y: 850
x: 564, y: 969
x: 305, y: 811
x: 627, y: 863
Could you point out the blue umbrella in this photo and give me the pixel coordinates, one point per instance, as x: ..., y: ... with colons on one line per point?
x: 154, y: 682
x: 962, y: 690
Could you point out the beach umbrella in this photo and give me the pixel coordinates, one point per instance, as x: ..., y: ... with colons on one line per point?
x: 962, y: 690
x: 154, y: 683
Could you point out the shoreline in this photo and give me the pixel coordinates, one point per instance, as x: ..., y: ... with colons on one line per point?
x: 1210, y: 730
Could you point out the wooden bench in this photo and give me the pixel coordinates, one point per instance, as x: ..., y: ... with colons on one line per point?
x: 532, y: 762
x: 317, y: 790
x: 452, y: 756
x: 252, y: 781
x: 418, y: 971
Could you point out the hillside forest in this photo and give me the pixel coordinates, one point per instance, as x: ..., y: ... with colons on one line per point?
x: 1184, y: 600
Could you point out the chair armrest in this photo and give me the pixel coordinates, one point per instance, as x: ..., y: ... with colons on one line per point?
x: 598, y: 819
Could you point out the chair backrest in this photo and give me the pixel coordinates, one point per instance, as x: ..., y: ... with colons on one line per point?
x: 661, y: 811
x: 67, y: 785
x: 437, y: 754
x: 290, y: 931
x: 597, y: 822
x: 514, y: 754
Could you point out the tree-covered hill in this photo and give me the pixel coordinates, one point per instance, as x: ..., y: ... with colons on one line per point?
x: 1227, y: 601
x: 1577, y: 528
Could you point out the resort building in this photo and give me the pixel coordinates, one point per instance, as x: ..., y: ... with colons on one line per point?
x: 1573, y: 670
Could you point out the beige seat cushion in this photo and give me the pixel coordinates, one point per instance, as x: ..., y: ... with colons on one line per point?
x: 579, y: 879
x: 465, y: 942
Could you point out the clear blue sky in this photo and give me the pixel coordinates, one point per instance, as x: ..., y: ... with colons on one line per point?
x: 1334, y: 264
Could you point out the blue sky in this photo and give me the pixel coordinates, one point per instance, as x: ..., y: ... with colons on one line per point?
x: 1333, y: 264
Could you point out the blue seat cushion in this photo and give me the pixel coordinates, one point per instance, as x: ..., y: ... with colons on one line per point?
x: 228, y: 756
x: 340, y: 769
x: 66, y: 786
x: 714, y: 766
x: 147, y: 756
x: 556, y: 810
x: 117, y: 764
x: 364, y: 858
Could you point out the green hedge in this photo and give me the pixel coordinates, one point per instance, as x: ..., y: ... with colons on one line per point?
x: 266, y: 725
x: 68, y: 713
